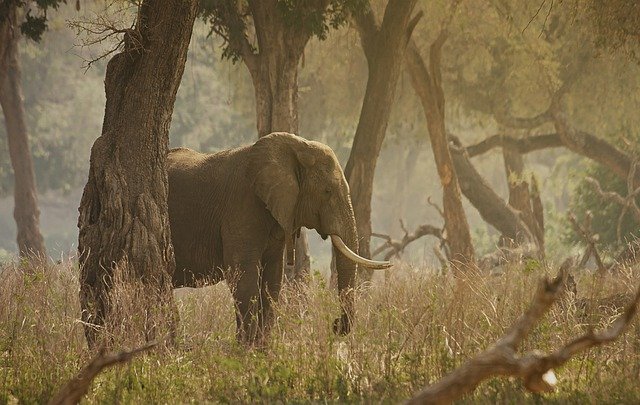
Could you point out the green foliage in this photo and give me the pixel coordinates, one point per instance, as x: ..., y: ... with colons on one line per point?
x: 33, y: 26
x: 231, y: 19
x: 316, y: 21
x: 606, y: 214
x: 63, y: 110
x: 225, y: 18
x: 612, y: 25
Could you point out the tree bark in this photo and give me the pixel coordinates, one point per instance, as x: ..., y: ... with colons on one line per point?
x: 384, y: 47
x: 493, y: 209
x: 26, y: 212
x: 427, y: 83
x: 123, y: 219
x: 521, y: 198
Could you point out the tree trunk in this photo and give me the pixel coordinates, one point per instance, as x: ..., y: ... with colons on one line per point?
x: 274, y: 72
x: 123, y: 218
x: 26, y: 212
x: 276, y: 93
x: 428, y: 87
x: 520, y: 196
x: 384, y: 47
x: 493, y: 209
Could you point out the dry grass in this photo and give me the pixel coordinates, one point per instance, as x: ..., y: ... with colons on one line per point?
x: 410, y: 330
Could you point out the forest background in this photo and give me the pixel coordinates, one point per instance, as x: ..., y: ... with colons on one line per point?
x: 501, y: 60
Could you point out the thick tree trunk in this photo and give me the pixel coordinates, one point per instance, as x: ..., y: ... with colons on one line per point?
x: 123, y: 218
x: 26, y: 212
x: 274, y: 72
x: 384, y: 47
x: 276, y: 92
x: 428, y: 87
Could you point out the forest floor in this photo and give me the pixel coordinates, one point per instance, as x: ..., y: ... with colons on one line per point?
x: 411, y: 329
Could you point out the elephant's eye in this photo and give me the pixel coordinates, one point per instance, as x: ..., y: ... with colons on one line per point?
x: 327, y: 191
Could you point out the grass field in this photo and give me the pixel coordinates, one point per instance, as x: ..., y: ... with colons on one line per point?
x: 410, y: 330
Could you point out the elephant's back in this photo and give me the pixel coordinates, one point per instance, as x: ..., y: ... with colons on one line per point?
x: 184, y: 159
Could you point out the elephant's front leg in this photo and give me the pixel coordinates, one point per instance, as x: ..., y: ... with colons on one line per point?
x: 245, y: 284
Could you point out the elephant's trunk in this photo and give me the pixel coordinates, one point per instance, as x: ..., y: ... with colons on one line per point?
x: 346, y: 271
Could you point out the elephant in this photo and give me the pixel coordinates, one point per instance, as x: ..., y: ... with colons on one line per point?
x: 231, y: 213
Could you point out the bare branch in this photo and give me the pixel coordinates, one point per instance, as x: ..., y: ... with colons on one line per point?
x: 612, y: 196
x: 75, y: 389
x: 412, y: 24
x: 396, y: 247
x: 107, y: 32
x: 522, y: 145
x: 534, y: 368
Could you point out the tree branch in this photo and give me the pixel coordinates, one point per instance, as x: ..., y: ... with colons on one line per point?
x: 522, y: 145
x: 612, y: 196
x: 535, y: 369
x: 75, y: 389
x: 396, y: 247
x: 412, y: 24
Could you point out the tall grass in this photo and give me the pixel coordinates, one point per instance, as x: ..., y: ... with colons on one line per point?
x: 410, y: 330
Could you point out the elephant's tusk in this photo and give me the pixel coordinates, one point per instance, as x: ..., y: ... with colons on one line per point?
x: 344, y: 249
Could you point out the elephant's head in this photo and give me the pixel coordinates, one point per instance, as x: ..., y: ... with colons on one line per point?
x: 302, y: 184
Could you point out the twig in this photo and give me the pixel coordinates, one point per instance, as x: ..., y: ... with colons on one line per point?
x: 534, y: 16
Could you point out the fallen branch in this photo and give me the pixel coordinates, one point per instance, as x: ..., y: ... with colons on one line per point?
x: 396, y: 247
x: 75, y: 389
x: 534, y: 368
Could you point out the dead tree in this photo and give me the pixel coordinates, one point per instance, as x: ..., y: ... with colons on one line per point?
x: 535, y: 369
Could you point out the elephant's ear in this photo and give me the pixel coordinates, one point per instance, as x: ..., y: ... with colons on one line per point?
x: 274, y: 170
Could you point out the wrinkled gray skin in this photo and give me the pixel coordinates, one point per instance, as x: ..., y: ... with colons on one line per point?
x: 230, y: 211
